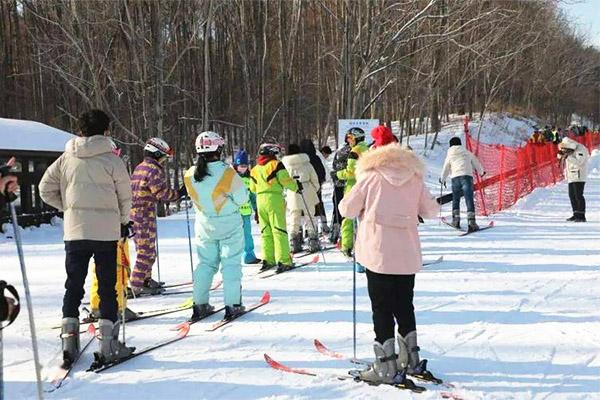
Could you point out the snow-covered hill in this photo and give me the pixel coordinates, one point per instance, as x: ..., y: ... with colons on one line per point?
x: 511, y: 313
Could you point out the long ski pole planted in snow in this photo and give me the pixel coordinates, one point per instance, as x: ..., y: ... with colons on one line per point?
x: 189, y: 233
x: 156, y: 241
x: 355, y: 226
x: 36, y: 355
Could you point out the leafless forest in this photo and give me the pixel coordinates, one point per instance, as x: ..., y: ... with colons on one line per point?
x: 282, y: 70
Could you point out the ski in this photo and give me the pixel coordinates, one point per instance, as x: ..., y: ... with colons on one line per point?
x: 465, y: 233
x: 408, y: 385
x: 171, y: 293
x: 308, y: 253
x: 436, y: 261
x: 181, y: 334
x: 266, y: 298
x: 174, y: 285
x: 271, y: 273
x: 425, y: 377
x: 192, y: 322
x: 64, y: 371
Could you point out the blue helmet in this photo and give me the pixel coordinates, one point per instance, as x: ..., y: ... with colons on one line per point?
x: 241, y: 158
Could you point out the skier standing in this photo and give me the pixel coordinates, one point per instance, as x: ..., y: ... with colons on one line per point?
x: 299, y: 166
x: 356, y: 140
x: 217, y: 193
x: 242, y: 165
x: 149, y: 185
x: 459, y: 164
x: 573, y: 158
x: 91, y: 185
x: 269, y: 179
x: 318, y: 163
x: 388, y: 196
x: 340, y: 161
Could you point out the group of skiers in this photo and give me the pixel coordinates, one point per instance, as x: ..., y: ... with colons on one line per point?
x: 381, y: 185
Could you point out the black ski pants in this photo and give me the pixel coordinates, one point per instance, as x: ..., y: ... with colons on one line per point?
x: 78, y: 255
x: 391, y: 299
x: 576, y: 197
x: 338, y: 195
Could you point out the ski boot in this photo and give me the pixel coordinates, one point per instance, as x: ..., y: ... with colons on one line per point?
x: 314, y: 245
x: 111, y: 349
x: 152, y: 284
x: 200, y: 311
x: 324, y: 227
x: 360, y: 269
x: 252, y: 260
x: 572, y: 218
x: 265, y: 266
x: 94, y: 315
x: 134, y: 292
x: 296, y: 243
x: 579, y: 217
x: 347, y: 252
x: 455, y: 219
x: 472, y: 227
x: 408, y: 355
x: 70, y: 341
x: 384, y: 369
x: 233, y: 311
x: 284, y: 267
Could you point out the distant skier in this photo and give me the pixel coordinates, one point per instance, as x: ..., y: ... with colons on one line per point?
x: 459, y: 164
x: 9, y: 304
x: 318, y: 163
x: 149, y: 185
x: 340, y: 161
x: 356, y: 140
x: 242, y: 165
x: 217, y: 193
x: 388, y: 196
x: 298, y: 165
x: 8, y: 183
x: 573, y: 158
x: 91, y: 185
x: 269, y: 179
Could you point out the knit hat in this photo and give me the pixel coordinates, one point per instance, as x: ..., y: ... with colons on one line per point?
x: 455, y: 141
x: 241, y: 158
x: 382, y: 136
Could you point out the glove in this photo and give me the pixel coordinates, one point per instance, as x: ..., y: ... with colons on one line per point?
x: 300, y: 187
x: 8, y: 183
x: 420, y: 219
x: 182, y: 191
x: 333, y: 175
x: 126, y: 230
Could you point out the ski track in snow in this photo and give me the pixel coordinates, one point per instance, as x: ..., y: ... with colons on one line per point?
x: 511, y: 313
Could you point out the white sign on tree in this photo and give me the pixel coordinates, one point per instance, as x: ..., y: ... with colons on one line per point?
x: 344, y: 125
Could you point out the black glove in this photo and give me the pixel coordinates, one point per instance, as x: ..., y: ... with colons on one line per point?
x: 182, y: 191
x: 5, y: 171
x: 300, y: 187
x: 420, y: 219
x: 126, y: 230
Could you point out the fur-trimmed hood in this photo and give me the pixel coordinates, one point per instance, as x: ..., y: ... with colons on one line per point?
x: 395, y: 163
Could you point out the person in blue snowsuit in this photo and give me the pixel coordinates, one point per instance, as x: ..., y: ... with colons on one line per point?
x: 217, y: 192
x: 242, y: 166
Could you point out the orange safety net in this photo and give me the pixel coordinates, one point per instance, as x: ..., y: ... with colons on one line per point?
x: 513, y: 172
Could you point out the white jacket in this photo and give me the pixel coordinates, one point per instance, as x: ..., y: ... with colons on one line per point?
x: 299, y: 167
x: 326, y: 165
x: 576, y: 163
x: 459, y: 162
x: 91, y: 185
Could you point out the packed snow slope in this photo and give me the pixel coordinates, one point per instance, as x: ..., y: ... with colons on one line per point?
x: 511, y: 313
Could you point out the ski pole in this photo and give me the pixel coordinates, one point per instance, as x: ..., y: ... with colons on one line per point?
x: 355, y: 226
x: 123, y: 287
x: 157, y: 254
x: 36, y: 355
x: 187, y: 218
x: 312, y: 222
x: 441, y: 194
x: 1, y: 367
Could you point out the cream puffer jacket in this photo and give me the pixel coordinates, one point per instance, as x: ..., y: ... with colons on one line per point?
x: 91, y: 185
x: 576, y: 163
x: 459, y: 162
x: 299, y: 168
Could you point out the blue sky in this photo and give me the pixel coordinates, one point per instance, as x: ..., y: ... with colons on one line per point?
x: 587, y: 13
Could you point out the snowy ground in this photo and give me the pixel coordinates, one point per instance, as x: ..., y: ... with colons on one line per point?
x: 512, y: 313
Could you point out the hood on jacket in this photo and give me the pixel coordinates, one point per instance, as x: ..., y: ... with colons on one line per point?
x: 456, y: 150
x: 395, y: 163
x: 85, y: 147
x: 308, y: 147
x: 569, y: 143
x: 296, y: 159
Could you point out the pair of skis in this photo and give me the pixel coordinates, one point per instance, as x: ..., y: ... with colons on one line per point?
x: 355, y: 374
x: 273, y: 271
x: 467, y: 232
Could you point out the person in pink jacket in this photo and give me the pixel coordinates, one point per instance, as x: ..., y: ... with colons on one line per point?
x: 388, y: 197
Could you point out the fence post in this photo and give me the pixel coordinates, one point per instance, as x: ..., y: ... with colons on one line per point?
x: 502, y: 170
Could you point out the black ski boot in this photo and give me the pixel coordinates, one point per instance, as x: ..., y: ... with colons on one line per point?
x: 580, y: 217
x: 283, y: 267
x: 233, y: 311
x: 152, y: 284
x: 200, y: 311
x: 265, y: 266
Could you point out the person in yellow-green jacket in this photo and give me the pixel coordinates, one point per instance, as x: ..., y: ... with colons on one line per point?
x: 242, y: 165
x: 268, y: 180
x: 356, y: 140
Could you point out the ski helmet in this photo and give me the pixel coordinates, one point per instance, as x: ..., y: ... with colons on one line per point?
x: 158, y: 147
x: 358, y: 133
x: 209, y: 142
x: 269, y: 149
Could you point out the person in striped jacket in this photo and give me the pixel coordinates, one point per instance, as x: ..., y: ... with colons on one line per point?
x: 149, y: 185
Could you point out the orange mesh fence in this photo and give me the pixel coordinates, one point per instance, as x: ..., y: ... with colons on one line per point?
x: 513, y: 172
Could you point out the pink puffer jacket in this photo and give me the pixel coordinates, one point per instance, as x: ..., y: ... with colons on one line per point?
x: 388, y: 197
